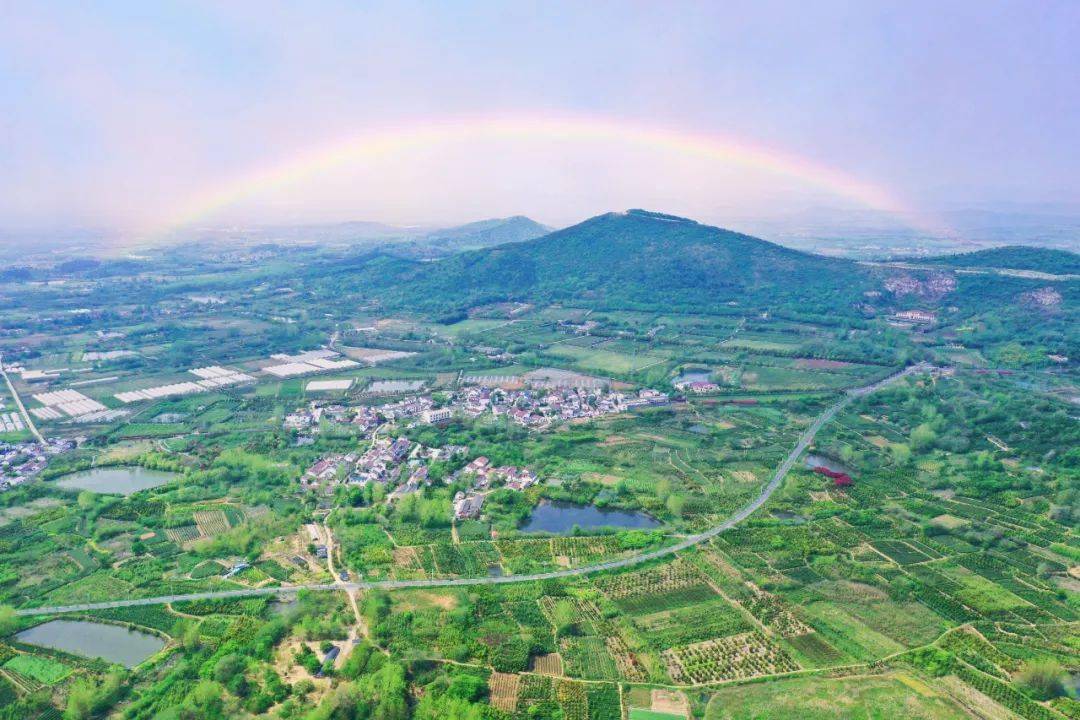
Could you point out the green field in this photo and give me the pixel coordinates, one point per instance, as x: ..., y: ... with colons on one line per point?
x: 643, y: 714
x: 602, y: 361
x: 874, y: 698
x: 45, y: 670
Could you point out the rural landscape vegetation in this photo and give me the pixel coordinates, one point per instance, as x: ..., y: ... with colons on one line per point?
x: 503, y: 360
x: 701, y: 476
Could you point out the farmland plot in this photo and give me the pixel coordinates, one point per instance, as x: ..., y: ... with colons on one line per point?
x: 587, y: 657
x: 691, y: 624
x: 737, y: 657
x: 655, y: 589
x: 504, y: 689
x: 211, y: 522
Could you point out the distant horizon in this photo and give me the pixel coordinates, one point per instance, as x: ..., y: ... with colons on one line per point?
x: 820, y: 214
x: 852, y: 234
x: 146, y: 122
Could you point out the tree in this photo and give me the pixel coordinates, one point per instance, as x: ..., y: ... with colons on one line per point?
x: 923, y: 437
x: 8, y: 619
x: 191, y: 638
x: 467, y: 687
x: 205, y: 702
x: 80, y: 703
x: 87, y: 500
x: 227, y: 667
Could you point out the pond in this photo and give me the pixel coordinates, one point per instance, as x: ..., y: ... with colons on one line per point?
x: 284, y: 605
x: 688, y: 376
x: 114, y: 643
x: 813, y: 461
x: 788, y: 518
x: 561, y: 517
x: 115, y: 480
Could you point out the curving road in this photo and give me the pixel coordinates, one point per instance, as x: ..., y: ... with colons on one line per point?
x: 749, y: 509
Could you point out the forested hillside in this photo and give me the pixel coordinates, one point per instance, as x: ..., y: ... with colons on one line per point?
x: 636, y: 259
x: 1016, y: 257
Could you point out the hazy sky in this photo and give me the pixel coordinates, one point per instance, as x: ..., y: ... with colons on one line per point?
x: 145, y: 115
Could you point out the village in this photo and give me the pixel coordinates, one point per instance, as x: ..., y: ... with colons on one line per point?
x: 23, y: 461
x: 401, y: 466
x: 535, y: 408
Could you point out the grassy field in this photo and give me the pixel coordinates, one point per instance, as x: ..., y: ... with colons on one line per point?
x: 602, y: 360
x: 865, y: 698
x: 643, y: 714
x: 45, y: 670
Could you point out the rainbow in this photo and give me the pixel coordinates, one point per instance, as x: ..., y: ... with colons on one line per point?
x: 372, y: 143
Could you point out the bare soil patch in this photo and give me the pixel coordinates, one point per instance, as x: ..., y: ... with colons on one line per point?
x: 504, y: 689
x: 601, y: 478
x: 670, y: 701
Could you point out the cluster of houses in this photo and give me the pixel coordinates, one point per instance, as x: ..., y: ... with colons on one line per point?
x: 540, y: 409
x: 531, y: 408
x: 402, y: 465
x: 698, y: 387
x: 367, y: 418
x: 486, y: 477
x: 398, y: 463
x: 306, y: 420
x: 23, y: 461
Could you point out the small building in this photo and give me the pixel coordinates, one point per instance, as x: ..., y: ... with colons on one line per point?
x: 437, y: 415
x: 399, y: 450
x: 467, y: 506
x: 237, y: 568
x: 916, y: 316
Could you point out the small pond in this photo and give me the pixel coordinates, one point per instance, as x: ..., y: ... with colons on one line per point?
x: 813, y: 461
x: 788, y: 518
x: 114, y: 643
x: 115, y: 480
x: 561, y: 517
x: 284, y: 604
x: 688, y: 376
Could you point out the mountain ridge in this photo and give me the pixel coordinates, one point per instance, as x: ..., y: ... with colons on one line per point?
x: 625, y: 257
x: 1013, y: 257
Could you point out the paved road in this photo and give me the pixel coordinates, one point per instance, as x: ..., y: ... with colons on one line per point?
x: 766, y: 492
x: 22, y: 408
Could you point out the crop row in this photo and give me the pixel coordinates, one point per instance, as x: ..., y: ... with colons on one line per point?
x: 692, y: 624
x: 1000, y: 692
x: 773, y: 611
x: 739, y: 656
x: 662, y: 578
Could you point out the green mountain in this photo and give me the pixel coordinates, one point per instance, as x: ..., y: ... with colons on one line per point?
x: 637, y: 259
x: 484, y: 233
x: 1014, y: 257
